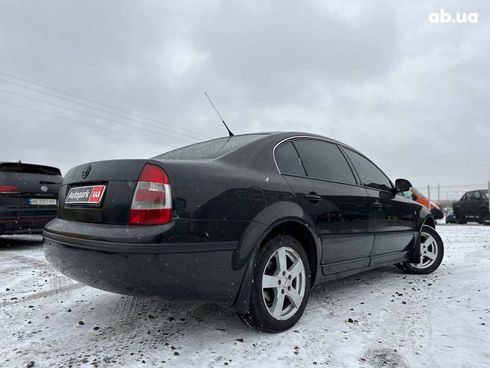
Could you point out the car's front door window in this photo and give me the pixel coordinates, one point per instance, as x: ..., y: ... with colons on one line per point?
x: 369, y: 173
x: 475, y: 195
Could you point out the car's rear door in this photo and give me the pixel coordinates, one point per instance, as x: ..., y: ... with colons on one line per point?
x: 462, y: 205
x: 326, y: 189
x: 395, y: 215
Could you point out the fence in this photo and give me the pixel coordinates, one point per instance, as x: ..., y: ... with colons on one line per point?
x: 447, y: 194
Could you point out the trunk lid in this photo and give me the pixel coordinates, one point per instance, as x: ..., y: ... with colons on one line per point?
x: 119, y: 179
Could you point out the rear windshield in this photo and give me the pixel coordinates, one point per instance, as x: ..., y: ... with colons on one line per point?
x: 210, y: 149
x: 27, y: 168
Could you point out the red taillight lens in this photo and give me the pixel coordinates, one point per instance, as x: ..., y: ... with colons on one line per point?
x: 8, y: 189
x: 152, y: 200
x: 153, y: 174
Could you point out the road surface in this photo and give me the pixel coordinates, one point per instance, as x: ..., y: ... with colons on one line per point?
x: 382, y: 318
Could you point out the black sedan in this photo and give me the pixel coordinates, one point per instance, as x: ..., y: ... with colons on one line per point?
x: 28, y: 197
x: 252, y: 220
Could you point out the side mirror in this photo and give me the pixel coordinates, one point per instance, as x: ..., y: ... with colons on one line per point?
x: 402, y: 185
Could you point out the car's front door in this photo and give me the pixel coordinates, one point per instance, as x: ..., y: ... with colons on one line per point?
x: 326, y: 189
x: 463, y: 205
x: 395, y: 215
x: 473, y: 204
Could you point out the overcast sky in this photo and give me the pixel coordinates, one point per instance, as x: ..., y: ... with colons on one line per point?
x: 412, y: 95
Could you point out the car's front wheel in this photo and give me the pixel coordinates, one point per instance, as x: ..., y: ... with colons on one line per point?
x: 280, y: 286
x: 459, y: 219
x: 431, y: 253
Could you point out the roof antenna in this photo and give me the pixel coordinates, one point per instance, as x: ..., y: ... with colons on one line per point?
x: 217, y: 112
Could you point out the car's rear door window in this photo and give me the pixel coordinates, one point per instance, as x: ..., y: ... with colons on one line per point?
x: 288, y: 160
x: 370, y: 175
x: 324, y: 160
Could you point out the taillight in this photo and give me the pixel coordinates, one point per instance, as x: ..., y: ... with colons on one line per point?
x: 152, y: 199
x: 8, y: 189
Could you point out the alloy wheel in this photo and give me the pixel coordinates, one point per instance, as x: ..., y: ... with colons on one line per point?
x: 428, y: 251
x: 284, y: 283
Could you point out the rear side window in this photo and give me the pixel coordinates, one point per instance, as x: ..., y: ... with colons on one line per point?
x: 323, y: 160
x: 370, y: 175
x: 485, y: 195
x: 288, y: 160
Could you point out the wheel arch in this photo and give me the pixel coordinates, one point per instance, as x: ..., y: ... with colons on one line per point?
x: 266, y: 226
x: 304, y: 235
x: 429, y: 221
x: 425, y: 218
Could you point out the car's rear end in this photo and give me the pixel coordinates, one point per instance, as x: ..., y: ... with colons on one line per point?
x: 167, y: 226
x: 141, y: 227
x: 28, y: 197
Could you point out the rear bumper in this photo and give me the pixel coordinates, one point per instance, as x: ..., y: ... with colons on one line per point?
x: 171, y: 270
x: 25, y: 221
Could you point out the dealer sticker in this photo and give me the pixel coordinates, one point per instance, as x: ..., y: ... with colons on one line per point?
x: 92, y: 194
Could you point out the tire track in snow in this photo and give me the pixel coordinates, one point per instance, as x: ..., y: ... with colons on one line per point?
x: 404, y: 321
x: 43, y: 294
x: 57, y: 283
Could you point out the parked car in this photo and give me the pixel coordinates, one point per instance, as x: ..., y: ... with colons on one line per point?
x: 433, y: 206
x: 252, y: 220
x: 450, y: 219
x: 473, y: 206
x: 28, y: 197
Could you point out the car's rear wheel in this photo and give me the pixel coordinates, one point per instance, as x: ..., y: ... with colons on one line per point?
x: 431, y: 253
x: 281, y: 285
x: 484, y: 216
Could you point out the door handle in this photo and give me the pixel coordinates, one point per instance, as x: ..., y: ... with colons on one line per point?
x: 313, y: 198
x: 377, y: 204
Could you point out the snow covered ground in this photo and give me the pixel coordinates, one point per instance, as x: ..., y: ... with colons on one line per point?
x: 382, y: 318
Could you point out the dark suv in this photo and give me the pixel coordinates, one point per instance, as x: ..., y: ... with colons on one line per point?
x: 473, y: 206
x: 28, y: 197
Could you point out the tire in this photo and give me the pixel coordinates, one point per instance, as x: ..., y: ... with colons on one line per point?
x: 484, y: 217
x: 292, y: 288
x: 458, y: 219
x: 431, y: 243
